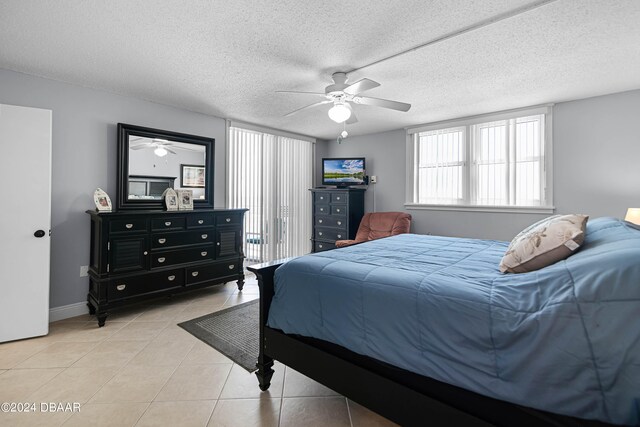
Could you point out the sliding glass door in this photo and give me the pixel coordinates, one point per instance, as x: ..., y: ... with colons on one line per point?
x: 271, y: 176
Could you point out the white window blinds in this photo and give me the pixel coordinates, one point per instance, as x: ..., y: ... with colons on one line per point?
x: 497, y: 161
x: 271, y: 176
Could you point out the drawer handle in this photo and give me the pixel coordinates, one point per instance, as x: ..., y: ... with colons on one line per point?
x: 217, y: 243
x: 232, y: 266
x: 320, y: 221
x: 161, y: 241
x: 194, y: 273
x: 204, y: 236
x: 320, y: 246
x: 161, y: 260
x: 121, y: 287
x: 337, y: 198
x: 201, y: 221
x: 321, y: 197
x: 321, y: 209
x: 228, y: 220
x: 339, y: 236
x: 203, y: 253
x: 339, y: 222
x: 129, y: 225
x: 320, y: 233
x: 167, y: 223
x: 171, y: 278
x: 145, y: 253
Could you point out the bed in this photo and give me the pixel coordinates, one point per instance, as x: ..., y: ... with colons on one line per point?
x: 426, y: 329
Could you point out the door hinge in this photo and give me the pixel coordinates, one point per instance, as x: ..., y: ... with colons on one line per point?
x: 108, y: 246
x: 107, y: 268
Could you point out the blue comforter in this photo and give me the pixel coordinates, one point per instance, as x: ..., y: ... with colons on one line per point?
x: 564, y: 339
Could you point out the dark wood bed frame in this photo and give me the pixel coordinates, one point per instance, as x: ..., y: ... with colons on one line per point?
x: 404, y: 397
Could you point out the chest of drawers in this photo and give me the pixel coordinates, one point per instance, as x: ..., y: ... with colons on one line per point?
x: 336, y: 215
x: 143, y: 254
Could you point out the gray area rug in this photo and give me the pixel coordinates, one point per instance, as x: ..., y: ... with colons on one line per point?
x: 234, y: 332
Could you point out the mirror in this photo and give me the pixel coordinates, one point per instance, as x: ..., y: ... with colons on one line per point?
x: 152, y: 160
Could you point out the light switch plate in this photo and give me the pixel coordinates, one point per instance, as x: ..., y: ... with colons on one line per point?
x: 84, y: 269
x: 374, y: 179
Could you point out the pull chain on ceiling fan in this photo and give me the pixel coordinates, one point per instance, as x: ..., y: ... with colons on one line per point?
x: 342, y: 94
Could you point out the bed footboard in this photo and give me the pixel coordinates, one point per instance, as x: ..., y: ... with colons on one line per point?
x: 265, y: 274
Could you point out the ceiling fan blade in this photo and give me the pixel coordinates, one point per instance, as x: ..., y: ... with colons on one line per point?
x: 352, y: 118
x: 360, y: 86
x: 308, y: 106
x: 169, y: 150
x: 140, y: 146
x: 303, y: 93
x: 385, y: 103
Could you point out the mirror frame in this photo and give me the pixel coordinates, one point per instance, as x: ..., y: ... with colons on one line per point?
x: 124, y: 131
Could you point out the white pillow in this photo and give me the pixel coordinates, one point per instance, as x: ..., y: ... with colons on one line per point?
x: 544, y: 243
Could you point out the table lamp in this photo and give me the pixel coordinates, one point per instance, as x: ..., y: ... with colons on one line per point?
x: 633, y: 216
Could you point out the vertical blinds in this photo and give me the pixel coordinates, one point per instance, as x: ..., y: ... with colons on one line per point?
x: 270, y: 175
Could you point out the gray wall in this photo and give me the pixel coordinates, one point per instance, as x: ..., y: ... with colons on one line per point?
x: 84, y: 158
x: 596, y: 169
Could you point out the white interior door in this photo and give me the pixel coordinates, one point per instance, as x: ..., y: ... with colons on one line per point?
x: 25, y: 174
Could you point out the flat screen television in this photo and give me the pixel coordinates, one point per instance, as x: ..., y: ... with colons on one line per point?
x: 343, y: 172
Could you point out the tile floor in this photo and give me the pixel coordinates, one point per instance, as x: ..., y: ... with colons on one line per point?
x: 143, y: 370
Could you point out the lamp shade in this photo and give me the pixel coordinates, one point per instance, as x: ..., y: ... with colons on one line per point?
x: 633, y: 215
x: 160, y: 152
x: 339, y: 113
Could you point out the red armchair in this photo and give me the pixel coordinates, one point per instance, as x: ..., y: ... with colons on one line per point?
x: 377, y: 225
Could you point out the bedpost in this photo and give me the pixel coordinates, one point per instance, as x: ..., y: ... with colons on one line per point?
x: 265, y: 275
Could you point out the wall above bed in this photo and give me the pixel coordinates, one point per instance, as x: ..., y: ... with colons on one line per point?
x: 595, y: 167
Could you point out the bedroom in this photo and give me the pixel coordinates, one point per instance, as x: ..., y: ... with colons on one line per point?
x: 90, y: 64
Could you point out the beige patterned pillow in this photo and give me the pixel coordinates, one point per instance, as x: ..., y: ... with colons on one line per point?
x: 544, y: 243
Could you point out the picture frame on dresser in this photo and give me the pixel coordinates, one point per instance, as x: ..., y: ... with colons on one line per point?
x: 185, y: 200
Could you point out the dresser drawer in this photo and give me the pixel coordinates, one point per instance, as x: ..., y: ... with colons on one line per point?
x: 202, y: 253
x: 323, y: 233
x: 323, y: 246
x: 322, y: 210
x: 138, y: 285
x: 338, y: 210
x: 168, y: 223
x: 213, y: 271
x: 339, y: 198
x: 229, y: 219
x: 321, y: 198
x: 201, y: 220
x: 331, y: 221
x: 181, y: 238
x: 128, y: 225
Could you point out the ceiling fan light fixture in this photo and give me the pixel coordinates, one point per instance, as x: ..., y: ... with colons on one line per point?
x: 339, y: 112
x: 160, y: 152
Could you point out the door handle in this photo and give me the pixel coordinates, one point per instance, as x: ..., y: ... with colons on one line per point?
x: 39, y: 233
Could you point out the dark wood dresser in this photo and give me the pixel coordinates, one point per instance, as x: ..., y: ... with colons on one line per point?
x: 336, y: 215
x: 137, y: 255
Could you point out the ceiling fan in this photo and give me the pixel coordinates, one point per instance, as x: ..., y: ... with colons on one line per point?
x: 341, y: 94
x: 160, y: 146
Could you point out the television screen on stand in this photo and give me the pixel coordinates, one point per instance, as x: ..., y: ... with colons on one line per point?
x: 343, y: 172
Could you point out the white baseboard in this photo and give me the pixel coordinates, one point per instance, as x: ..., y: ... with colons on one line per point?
x: 67, y: 311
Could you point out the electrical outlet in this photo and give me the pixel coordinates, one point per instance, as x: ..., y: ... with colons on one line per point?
x: 84, y: 269
x: 373, y: 179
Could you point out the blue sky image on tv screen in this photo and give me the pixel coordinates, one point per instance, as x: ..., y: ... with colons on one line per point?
x: 344, y: 171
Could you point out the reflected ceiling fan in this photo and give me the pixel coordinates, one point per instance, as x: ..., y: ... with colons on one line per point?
x: 160, y: 146
x: 341, y: 94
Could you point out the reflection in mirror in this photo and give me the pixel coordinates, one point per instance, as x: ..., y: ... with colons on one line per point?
x: 152, y: 160
x: 156, y: 164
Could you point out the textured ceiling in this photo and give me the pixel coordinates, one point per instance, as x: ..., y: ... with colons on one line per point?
x: 227, y: 58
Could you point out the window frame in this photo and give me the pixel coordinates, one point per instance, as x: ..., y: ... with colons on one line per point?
x: 411, y: 194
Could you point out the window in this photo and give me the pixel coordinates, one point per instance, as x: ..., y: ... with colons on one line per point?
x: 271, y: 176
x: 498, y: 161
